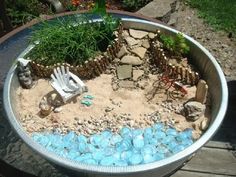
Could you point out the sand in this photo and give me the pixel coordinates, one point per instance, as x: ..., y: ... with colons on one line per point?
x: 109, y: 110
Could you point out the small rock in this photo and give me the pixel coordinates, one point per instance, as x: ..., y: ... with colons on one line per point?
x: 57, y: 110
x: 123, y: 51
x: 146, y: 44
x: 126, y: 84
x: 115, y: 86
x: 151, y: 35
x: 193, y: 110
x: 124, y: 71
x: 139, y: 51
x: 138, y: 34
x: 116, y: 60
x: 132, y: 60
x: 125, y: 33
x: 203, y: 125
x: 137, y: 74
x: 131, y: 41
x: 108, y: 109
x: 201, y: 92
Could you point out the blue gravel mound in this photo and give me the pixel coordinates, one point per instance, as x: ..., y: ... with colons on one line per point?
x: 129, y: 147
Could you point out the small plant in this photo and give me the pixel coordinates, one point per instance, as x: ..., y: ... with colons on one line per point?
x: 176, y: 44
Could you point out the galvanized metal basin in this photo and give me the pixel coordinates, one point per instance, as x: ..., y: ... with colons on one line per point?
x: 209, y: 70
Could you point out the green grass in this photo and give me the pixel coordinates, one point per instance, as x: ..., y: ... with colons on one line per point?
x: 72, y: 41
x: 221, y: 14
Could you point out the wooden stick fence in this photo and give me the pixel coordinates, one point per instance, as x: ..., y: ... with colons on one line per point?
x: 177, y: 72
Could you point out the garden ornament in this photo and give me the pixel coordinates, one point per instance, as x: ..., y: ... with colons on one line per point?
x: 66, y: 83
x: 24, y: 74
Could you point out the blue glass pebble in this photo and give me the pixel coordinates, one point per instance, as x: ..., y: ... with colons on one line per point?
x: 171, y: 132
x: 148, y: 133
x: 88, y: 97
x: 126, y: 155
x: 124, y: 145
x: 148, y: 149
x: 135, y: 159
x: 125, y: 131
x: 178, y: 149
x: 108, y: 161
x: 158, y: 127
x: 159, y: 156
x: 148, y: 158
x: 121, y: 163
x: 137, y: 132
x: 98, y: 155
x: 109, y: 151
x: 81, y: 138
x: 129, y: 147
x: 115, y: 139
x: 90, y: 161
x: 95, y: 140
x: 159, y: 135
x: 138, y: 142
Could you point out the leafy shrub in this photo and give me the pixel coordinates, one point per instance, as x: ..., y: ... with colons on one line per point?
x: 176, y: 44
x: 73, y: 40
x: 22, y: 11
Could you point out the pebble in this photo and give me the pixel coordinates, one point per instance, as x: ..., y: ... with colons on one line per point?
x: 57, y: 110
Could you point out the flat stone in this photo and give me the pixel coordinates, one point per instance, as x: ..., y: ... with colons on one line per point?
x: 146, y: 44
x: 126, y: 84
x: 158, y: 9
x: 132, y: 60
x: 131, y: 41
x: 139, y: 51
x: 201, y: 92
x: 137, y: 74
x: 194, y: 110
x: 138, y: 34
x: 151, y: 35
x: 123, y: 51
x: 124, y: 71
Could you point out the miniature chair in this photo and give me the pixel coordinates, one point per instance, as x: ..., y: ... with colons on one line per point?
x: 66, y: 83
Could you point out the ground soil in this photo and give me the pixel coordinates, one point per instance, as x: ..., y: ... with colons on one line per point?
x: 219, y: 43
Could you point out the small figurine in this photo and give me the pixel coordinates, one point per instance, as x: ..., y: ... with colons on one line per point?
x: 24, y: 75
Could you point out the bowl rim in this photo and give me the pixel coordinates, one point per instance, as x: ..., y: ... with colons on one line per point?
x: 77, y: 166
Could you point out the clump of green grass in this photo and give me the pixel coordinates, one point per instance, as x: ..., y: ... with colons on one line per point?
x: 221, y: 14
x: 72, y: 40
x: 177, y: 44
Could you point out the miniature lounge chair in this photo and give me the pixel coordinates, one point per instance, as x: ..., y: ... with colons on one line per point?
x: 66, y: 83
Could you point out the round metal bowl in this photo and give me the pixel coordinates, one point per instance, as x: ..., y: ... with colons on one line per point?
x: 209, y: 70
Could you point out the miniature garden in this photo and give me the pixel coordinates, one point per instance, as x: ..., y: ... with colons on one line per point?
x: 98, y: 93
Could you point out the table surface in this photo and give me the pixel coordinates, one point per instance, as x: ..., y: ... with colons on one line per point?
x: 216, y: 159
